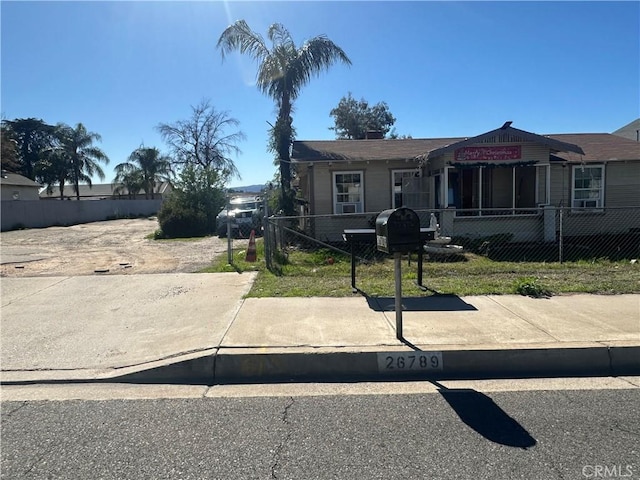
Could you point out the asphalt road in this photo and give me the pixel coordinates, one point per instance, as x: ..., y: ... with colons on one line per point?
x: 451, y: 434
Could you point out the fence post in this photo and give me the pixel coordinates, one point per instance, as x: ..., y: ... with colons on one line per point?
x: 229, y: 240
x: 549, y: 219
x: 266, y: 233
x: 560, y: 242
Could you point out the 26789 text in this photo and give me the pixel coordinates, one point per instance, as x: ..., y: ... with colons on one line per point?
x: 401, y: 361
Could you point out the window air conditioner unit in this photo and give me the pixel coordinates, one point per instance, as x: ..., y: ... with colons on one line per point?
x: 349, y: 207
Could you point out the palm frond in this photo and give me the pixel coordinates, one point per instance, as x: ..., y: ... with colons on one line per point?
x: 238, y: 36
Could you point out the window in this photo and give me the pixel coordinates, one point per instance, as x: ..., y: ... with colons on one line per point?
x: 588, y: 187
x: 348, y: 191
x: 409, y: 189
x: 504, y: 190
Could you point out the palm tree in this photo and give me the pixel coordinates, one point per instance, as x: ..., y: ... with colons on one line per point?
x: 283, y: 70
x: 84, y: 158
x: 128, y: 182
x: 54, y: 168
x: 146, y: 167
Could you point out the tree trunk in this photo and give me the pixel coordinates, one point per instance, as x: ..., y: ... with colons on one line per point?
x: 284, y: 132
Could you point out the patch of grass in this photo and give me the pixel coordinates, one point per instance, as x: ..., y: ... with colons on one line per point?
x: 239, y: 264
x: 325, y: 273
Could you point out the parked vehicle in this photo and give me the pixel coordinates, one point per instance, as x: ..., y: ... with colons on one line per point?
x: 245, y: 214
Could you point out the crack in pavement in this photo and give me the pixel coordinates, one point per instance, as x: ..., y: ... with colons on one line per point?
x: 278, y: 451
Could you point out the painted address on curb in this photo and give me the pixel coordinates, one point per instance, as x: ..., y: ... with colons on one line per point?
x: 390, y: 362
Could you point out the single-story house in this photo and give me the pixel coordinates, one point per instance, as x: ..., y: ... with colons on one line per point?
x: 17, y: 187
x: 507, y: 174
x: 105, y: 191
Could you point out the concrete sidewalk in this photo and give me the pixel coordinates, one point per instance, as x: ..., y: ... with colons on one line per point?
x: 196, y: 328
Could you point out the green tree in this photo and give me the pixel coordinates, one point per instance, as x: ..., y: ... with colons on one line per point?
x: 54, y: 166
x: 283, y: 69
x: 203, y: 140
x: 32, y: 137
x: 128, y: 182
x: 146, y: 167
x: 353, y: 118
x: 9, y: 154
x: 192, y: 207
x: 84, y: 158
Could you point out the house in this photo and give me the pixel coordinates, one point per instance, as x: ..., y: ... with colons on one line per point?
x: 508, y: 174
x: 104, y: 191
x: 630, y: 131
x: 17, y: 187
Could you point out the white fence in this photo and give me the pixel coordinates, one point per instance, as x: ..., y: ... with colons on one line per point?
x: 47, y: 213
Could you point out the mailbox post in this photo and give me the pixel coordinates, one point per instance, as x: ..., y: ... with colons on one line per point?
x: 398, y: 232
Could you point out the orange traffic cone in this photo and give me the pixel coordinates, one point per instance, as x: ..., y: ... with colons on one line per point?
x: 251, y: 251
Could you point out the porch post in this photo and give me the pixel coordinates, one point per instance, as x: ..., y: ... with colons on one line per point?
x: 444, y: 191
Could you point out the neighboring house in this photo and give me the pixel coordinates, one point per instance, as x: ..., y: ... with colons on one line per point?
x: 17, y: 187
x: 630, y: 131
x: 505, y: 173
x: 104, y: 191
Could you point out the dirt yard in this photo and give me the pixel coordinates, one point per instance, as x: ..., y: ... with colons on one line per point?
x: 116, y: 247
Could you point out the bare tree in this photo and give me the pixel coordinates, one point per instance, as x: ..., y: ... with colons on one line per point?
x: 203, y: 140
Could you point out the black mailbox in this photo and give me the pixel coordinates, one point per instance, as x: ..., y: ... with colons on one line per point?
x: 398, y: 230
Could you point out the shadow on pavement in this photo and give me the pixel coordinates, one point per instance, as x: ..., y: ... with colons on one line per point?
x: 433, y: 303
x: 481, y: 413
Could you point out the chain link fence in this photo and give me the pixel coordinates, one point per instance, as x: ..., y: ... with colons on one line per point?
x: 546, y: 234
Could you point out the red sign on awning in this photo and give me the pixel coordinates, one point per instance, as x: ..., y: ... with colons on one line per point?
x: 470, y: 154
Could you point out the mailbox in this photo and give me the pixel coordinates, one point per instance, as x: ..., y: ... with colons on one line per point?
x: 398, y: 230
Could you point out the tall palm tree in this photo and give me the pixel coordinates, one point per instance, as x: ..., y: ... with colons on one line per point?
x: 283, y: 70
x: 83, y: 156
x: 54, y: 168
x: 145, y: 166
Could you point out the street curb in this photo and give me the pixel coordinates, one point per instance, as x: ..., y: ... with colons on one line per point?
x: 456, y: 364
x: 228, y: 366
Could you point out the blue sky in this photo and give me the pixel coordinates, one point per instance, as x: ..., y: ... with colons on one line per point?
x: 444, y: 68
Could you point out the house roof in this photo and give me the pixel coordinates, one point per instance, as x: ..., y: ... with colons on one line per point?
x: 97, y: 190
x: 599, y: 147
x: 319, y: 150
x: 14, y: 179
x: 581, y: 147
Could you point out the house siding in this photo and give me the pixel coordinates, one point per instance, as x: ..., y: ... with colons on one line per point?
x: 609, y: 221
x: 560, y: 185
x: 523, y: 228
x: 23, y: 192
x: 377, y: 183
x: 622, y: 187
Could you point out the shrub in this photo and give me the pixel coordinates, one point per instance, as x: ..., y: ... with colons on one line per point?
x: 191, y: 209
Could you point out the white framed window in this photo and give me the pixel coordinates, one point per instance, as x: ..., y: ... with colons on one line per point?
x: 587, y: 188
x: 348, y: 192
